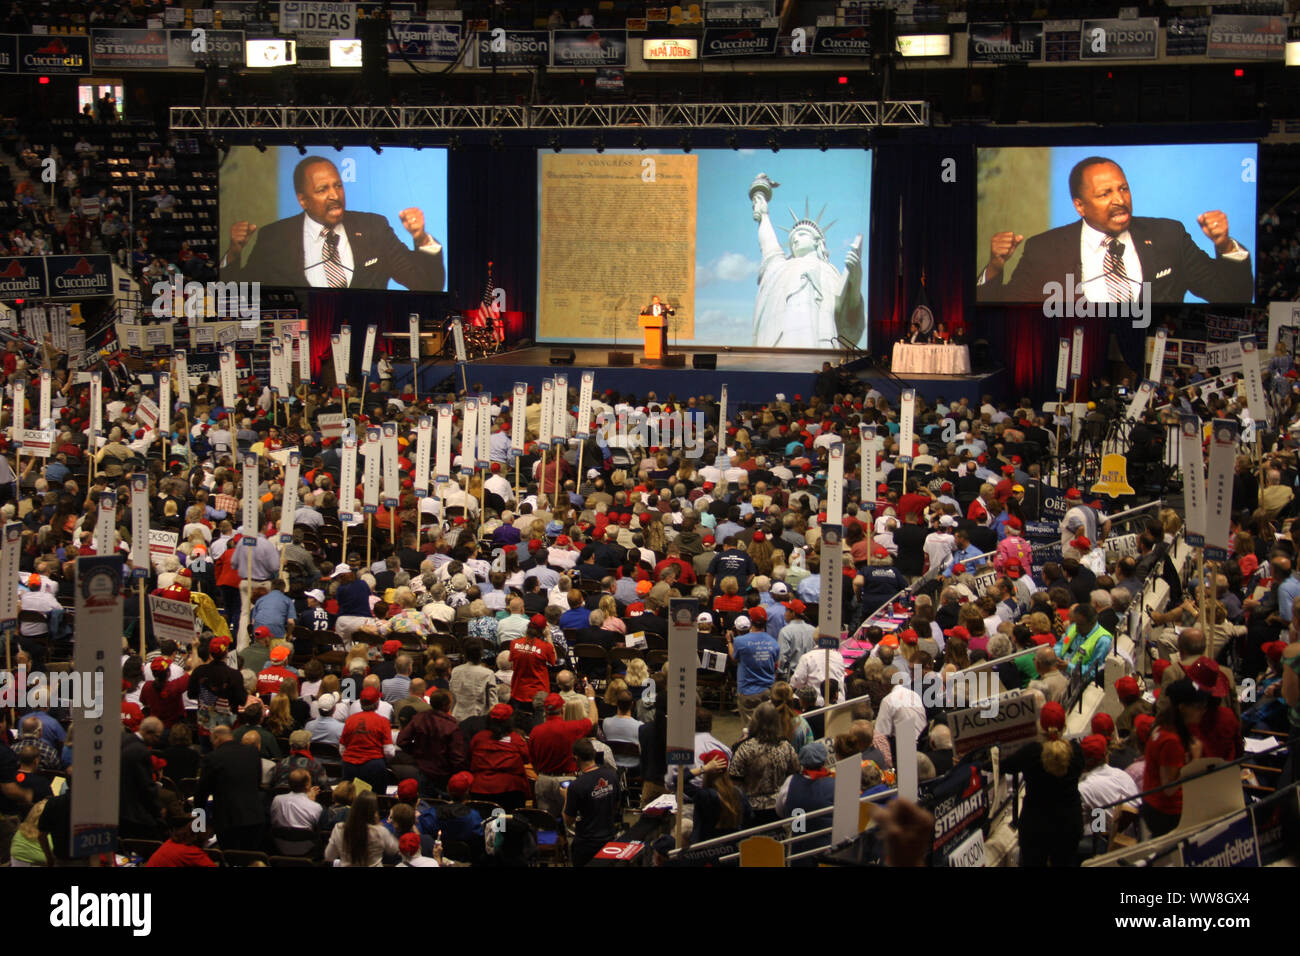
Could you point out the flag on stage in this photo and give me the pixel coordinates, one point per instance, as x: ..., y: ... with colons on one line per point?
x: 489, y: 314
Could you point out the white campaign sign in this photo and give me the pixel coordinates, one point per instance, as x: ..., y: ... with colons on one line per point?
x: 413, y: 331
x: 140, y: 520
x: 392, y: 483
x: 1158, y: 355
x: 423, y: 448
x: 1062, y: 365
x: 1218, y: 492
x: 372, y: 452
x: 1255, y: 399
x: 442, y: 459
x: 907, y: 415
x: 584, y: 404
x: 10, y: 557
x: 165, y: 403
x: 44, y: 414
x: 348, y: 480
x: 848, y: 792
x: 482, y: 453
x: 469, y: 436
x: 250, y: 500
x: 289, y: 506
x: 519, y: 417
x: 105, y: 520
x: 1191, y: 456
x: 331, y: 425
x: 1076, y: 355
x: 146, y: 413
x: 181, y: 369
x: 722, y: 418
x: 546, y: 423
x: 96, y: 406
x: 560, y: 408
x: 37, y: 443
x: 368, y: 351
x: 172, y: 620
x: 683, y: 660
x: 228, y: 390
x: 1141, y: 398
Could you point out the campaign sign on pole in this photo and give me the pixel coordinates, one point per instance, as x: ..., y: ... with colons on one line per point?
x: 105, y: 523
x: 722, y: 418
x: 683, y: 660
x: 584, y: 404
x: 907, y: 416
x: 482, y: 450
x: 44, y: 413
x: 830, y: 604
x: 442, y: 459
x: 469, y: 436
x: 1141, y: 398
x: 181, y: 372
x: 10, y: 558
x: 368, y: 351
x: 96, y: 407
x: 304, y: 355
x: 250, y: 500
x: 1158, y: 355
x: 96, y: 761
x: 423, y: 446
x: 1076, y: 355
x: 20, y: 409
x: 276, y: 367
x: 1255, y: 399
x: 146, y: 413
x: 36, y: 442
x: 867, y: 465
x: 1218, y: 490
x: 1189, y: 448
x: 848, y: 796
x: 228, y: 390
x: 391, y: 481
x: 331, y: 425
x: 289, y: 506
x: 413, y: 331
x: 372, y: 452
x: 172, y: 620
x: 519, y: 418
x: 458, y: 337
x: 345, y: 355
x: 348, y: 480
x: 560, y: 409
x: 140, y: 523
x: 165, y: 403
x: 546, y: 423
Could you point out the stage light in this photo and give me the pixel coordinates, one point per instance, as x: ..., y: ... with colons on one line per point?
x: 374, y: 144
x: 598, y: 144
x: 639, y: 142
x: 732, y: 141
x: 453, y: 143
x: 774, y: 142
x: 497, y: 142
x: 337, y: 144
x: 554, y: 143
x: 822, y: 144
x: 685, y: 144
x: 261, y: 146
x: 865, y: 141
x: 302, y: 150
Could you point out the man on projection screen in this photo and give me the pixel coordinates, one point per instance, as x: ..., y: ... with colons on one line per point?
x: 803, y: 301
x: 328, y: 246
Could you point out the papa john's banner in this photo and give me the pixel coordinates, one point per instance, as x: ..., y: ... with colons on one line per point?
x: 589, y: 48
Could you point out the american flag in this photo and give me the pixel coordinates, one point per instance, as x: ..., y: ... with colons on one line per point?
x: 488, y: 313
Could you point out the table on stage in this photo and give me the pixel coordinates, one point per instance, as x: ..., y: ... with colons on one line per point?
x: 930, y: 359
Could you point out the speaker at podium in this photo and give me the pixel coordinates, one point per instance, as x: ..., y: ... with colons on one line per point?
x: 654, y: 330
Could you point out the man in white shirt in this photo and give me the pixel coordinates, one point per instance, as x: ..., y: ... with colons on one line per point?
x: 897, y: 703
x: 811, y: 673
x: 1101, y: 783
x: 513, y: 626
x: 297, y: 809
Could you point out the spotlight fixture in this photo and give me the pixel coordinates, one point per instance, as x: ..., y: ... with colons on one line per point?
x: 822, y: 143
x: 732, y: 141
x: 302, y: 150
x: 337, y: 144
x: 453, y: 143
x: 554, y: 143
x: 685, y: 143
x: 639, y: 142
x: 261, y: 146
x: 774, y: 142
x: 374, y: 144
x: 498, y: 141
x: 865, y: 141
x: 598, y: 144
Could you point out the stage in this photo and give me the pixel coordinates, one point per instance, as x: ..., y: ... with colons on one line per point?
x: 751, y: 375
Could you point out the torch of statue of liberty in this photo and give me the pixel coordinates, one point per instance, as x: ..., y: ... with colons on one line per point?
x: 803, y: 301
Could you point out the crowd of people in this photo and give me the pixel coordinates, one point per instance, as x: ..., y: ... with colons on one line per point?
x: 494, y: 644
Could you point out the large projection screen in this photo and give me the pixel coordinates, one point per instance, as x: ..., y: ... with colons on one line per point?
x: 1026, y: 192
x: 751, y: 248
x: 384, y: 197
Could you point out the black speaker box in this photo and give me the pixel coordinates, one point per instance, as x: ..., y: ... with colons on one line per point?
x: 620, y: 358
x: 677, y: 360
x: 561, y: 356
x: 704, y: 360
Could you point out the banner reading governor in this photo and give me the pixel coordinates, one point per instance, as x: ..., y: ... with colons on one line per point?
x: 318, y: 241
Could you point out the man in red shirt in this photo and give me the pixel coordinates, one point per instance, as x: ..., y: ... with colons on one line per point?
x: 550, y: 748
x: 674, y: 559
x: 270, y: 678
x: 530, y: 657
x: 915, y: 501
x: 363, y: 740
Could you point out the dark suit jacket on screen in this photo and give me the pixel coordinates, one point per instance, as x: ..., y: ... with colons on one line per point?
x: 276, y: 258
x: 1171, y: 262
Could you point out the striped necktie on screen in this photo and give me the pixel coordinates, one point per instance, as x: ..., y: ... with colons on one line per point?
x: 1117, y: 282
x: 334, y: 272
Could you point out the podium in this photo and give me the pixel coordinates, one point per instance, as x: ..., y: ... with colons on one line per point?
x: 654, y: 328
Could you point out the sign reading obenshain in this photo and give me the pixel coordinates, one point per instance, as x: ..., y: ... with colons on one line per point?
x: 742, y: 41
x: 589, y: 48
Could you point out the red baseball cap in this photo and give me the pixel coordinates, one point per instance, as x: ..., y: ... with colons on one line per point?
x: 370, y: 694
x: 553, y: 704
x: 796, y: 606
x: 1126, y: 689
x: 1052, y: 716
x: 409, y: 843
x: 1103, y: 724
x: 1094, y: 748
x: 408, y: 789
x: 390, y: 647
x: 460, y: 783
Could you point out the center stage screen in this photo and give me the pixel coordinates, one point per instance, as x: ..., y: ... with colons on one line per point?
x: 750, y: 248
x: 1184, y: 216
x: 391, y: 207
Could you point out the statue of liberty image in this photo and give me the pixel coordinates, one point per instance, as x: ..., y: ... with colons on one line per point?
x: 803, y: 301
